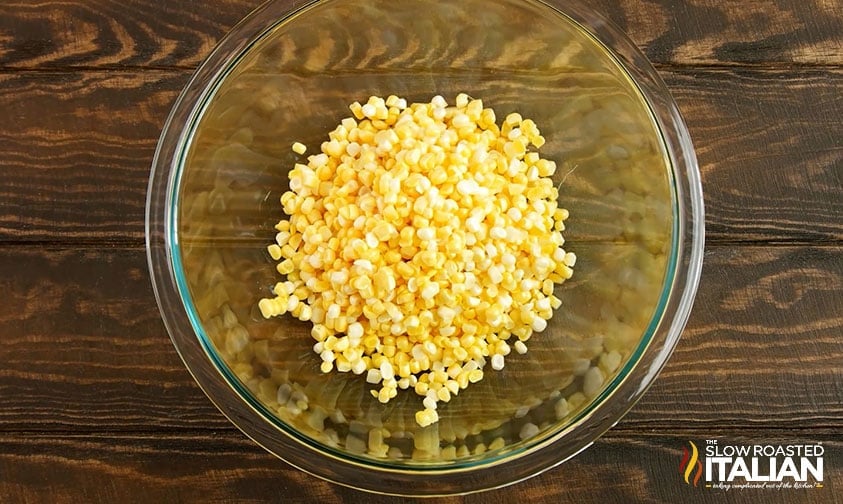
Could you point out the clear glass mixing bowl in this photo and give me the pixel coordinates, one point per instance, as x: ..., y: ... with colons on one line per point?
x: 627, y: 173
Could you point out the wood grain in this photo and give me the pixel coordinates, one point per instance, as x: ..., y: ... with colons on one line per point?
x: 113, y: 33
x: 766, y: 324
x: 770, y: 148
x: 719, y: 32
x: 84, y: 349
x: 146, y: 33
x: 85, y: 345
x: 226, y: 467
x: 82, y: 175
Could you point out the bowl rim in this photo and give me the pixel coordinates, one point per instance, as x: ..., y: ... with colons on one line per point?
x: 630, y: 384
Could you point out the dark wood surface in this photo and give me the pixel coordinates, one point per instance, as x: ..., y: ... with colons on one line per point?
x: 95, y: 405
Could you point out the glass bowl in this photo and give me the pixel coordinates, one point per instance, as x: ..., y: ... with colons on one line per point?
x: 627, y: 174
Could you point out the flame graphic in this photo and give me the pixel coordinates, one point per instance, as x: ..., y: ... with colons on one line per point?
x: 690, y: 462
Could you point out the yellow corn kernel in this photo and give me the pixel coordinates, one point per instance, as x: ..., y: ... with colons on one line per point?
x: 274, y: 251
x: 285, y: 267
x: 357, y: 110
x: 299, y: 148
x: 475, y: 376
x: 421, y: 388
x: 266, y: 307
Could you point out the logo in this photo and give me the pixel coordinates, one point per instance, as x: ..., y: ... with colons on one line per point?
x: 726, y: 466
x: 691, y: 464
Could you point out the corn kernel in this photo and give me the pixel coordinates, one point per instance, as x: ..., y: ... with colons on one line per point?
x: 299, y: 148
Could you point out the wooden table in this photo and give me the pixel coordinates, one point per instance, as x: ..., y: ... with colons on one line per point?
x: 95, y: 405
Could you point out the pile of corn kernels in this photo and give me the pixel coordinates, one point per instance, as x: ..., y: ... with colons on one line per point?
x: 423, y: 243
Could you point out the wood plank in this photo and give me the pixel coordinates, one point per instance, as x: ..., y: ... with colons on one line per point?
x: 83, y: 175
x: 112, y: 33
x: 226, y: 467
x: 84, y: 349
x: 769, y: 150
x: 85, y: 345
x: 763, y: 343
x: 715, y: 32
x: 147, y: 33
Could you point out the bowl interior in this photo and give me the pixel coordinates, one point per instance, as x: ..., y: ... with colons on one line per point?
x: 294, y: 83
